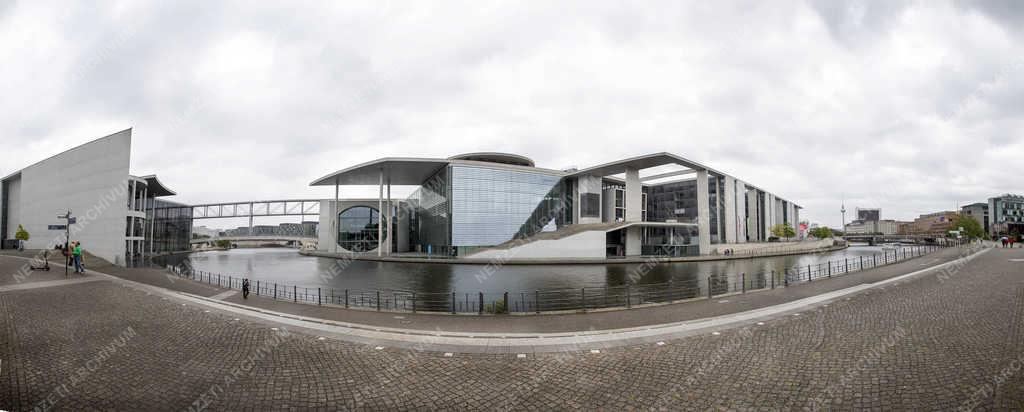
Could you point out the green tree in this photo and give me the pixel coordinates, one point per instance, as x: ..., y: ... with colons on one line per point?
x: 783, y: 231
x: 224, y: 243
x: 21, y: 234
x: 972, y: 229
x: 821, y: 232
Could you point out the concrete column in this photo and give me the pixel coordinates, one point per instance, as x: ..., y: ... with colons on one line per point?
x: 703, y: 210
x: 769, y: 214
x: 741, y: 212
x: 380, y: 213
x: 634, y: 195
x: 390, y: 219
x: 752, y: 216
x: 730, y: 209
x: 334, y: 218
x: 634, y: 241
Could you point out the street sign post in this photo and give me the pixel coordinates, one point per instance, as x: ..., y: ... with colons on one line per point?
x: 67, y: 237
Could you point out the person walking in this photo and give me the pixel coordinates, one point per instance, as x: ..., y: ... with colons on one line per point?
x: 76, y: 253
x: 245, y: 288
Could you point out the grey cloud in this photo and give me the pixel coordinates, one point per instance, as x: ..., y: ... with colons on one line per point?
x: 245, y: 100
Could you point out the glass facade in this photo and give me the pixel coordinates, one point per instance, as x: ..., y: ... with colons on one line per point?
x: 357, y: 229
x: 670, y: 241
x: 172, y: 226
x: 672, y: 202
x: 491, y: 206
x: 430, y: 215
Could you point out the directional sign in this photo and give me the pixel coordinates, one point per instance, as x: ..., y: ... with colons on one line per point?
x: 57, y: 227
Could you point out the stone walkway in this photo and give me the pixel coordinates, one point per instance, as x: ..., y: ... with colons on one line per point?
x: 941, y: 340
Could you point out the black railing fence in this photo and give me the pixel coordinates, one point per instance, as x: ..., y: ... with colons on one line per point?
x: 555, y: 300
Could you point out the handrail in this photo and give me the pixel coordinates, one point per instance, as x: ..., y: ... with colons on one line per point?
x: 555, y: 300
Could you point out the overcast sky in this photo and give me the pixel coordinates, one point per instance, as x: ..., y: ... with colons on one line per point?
x: 911, y: 107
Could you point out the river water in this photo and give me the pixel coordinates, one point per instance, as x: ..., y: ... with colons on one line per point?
x: 287, y: 266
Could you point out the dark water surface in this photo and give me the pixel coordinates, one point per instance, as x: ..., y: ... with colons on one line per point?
x: 287, y: 266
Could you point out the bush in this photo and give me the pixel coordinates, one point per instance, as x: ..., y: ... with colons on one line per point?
x: 497, y: 308
x: 223, y: 243
x: 21, y: 234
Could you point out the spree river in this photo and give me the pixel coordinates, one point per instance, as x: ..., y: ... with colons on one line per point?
x: 287, y: 266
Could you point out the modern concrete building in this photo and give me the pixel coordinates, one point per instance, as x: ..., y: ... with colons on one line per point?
x: 1006, y: 215
x: 481, y: 204
x: 979, y: 212
x: 114, y: 210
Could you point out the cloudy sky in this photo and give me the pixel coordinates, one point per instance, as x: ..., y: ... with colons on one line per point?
x: 911, y: 107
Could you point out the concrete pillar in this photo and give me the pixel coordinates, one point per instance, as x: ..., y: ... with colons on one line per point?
x: 634, y: 195
x: 703, y: 210
x: 741, y: 212
x: 753, y: 216
x: 334, y: 218
x: 390, y: 219
x: 380, y: 214
x: 634, y: 241
x: 730, y: 209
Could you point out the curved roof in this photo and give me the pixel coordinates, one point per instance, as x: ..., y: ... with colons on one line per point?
x: 495, y: 157
x: 398, y: 170
x: 156, y: 188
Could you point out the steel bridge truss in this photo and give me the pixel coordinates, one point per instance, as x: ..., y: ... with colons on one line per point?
x: 251, y: 209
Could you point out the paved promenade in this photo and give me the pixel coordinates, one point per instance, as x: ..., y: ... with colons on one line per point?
x: 941, y: 340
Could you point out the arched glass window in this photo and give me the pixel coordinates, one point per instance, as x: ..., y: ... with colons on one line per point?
x: 357, y: 229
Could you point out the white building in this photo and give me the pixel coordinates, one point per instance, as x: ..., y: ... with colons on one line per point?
x: 113, y: 208
x: 478, y: 204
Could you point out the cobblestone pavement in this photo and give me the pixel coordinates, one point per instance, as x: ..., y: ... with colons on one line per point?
x: 943, y: 340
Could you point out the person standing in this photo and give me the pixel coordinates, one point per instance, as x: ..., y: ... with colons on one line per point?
x: 76, y: 253
x: 245, y: 288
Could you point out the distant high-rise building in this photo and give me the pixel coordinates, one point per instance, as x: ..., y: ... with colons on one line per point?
x: 1006, y: 215
x: 978, y: 211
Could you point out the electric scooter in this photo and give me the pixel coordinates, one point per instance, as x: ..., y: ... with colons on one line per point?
x: 46, y: 262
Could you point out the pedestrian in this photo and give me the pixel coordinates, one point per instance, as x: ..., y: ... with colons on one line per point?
x: 245, y: 288
x: 1004, y: 241
x: 76, y: 253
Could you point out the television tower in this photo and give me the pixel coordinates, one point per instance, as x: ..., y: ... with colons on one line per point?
x: 843, y: 211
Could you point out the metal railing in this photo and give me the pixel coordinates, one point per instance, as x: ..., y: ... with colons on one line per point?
x: 556, y: 300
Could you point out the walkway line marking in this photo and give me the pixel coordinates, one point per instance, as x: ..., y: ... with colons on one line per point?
x: 540, y: 342
x: 224, y: 295
x: 49, y: 283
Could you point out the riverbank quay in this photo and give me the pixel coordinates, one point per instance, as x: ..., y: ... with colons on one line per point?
x: 114, y: 344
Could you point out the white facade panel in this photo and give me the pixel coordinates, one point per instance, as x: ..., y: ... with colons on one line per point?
x: 90, y: 180
x: 730, y: 209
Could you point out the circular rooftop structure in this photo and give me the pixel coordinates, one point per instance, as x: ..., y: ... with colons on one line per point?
x: 495, y: 157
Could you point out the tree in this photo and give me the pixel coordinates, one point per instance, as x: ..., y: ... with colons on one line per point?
x: 224, y: 244
x: 783, y: 231
x: 821, y: 232
x: 21, y: 234
x: 972, y: 229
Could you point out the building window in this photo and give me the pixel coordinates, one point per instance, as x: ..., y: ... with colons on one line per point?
x: 357, y: 229
x: 590, y: 205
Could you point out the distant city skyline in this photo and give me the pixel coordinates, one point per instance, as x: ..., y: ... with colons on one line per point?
x: 878, y: 104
